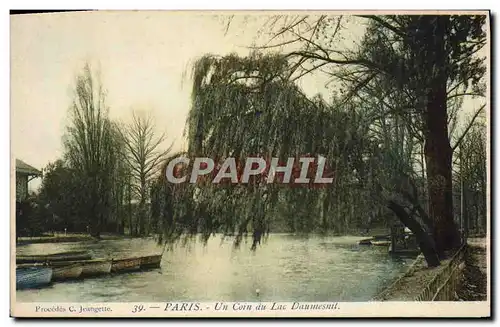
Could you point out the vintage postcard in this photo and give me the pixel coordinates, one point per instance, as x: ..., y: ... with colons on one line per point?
x: 250, y: 164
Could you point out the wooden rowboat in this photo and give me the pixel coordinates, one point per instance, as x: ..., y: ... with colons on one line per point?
x: 367, y: 241
x: 67, y: 272
x: 128, y: 264
x: 33, y: 277
x: 96, y: 267
x: 54, y: 257
x: 89, y: 267
x: 151, y: 261
x: 381, y: 243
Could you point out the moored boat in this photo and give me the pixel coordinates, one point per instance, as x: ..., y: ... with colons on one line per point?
x: 381, y: 243
x: 126, y: 264
x: 367, y: 241
x: 54, y: 257
x: 96, y: 267
x: 89, y: 267
x: 33, y: 277
x: 67, y: 272
x: 151, y: 261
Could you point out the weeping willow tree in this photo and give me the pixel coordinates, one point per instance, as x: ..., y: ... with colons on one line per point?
x: 247, y: 106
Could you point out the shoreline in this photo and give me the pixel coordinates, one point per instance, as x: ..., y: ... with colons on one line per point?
x: 74, y: 238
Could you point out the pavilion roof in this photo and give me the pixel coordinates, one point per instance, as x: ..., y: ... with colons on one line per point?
x: 23, y: 168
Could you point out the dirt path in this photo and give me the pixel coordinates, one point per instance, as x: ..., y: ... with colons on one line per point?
x: 474, y: 280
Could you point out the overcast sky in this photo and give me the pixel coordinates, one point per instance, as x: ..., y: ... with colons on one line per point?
x: 142, y: 57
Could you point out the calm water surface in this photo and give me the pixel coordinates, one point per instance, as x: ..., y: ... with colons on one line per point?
x: 285, y: 268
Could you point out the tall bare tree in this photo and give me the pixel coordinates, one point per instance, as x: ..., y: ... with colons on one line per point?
x: 91, y: 150
x: 144, y: 157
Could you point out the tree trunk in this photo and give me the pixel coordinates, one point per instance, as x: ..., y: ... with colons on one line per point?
x: 324, y: 210
x: 142, y: 211
x: 424, y: 180
x: 438, y: 152
x: 425, y: 242
x: 95, y: 219
x: 438, y: 155
x: 476, y: 218
x: 140, y: 219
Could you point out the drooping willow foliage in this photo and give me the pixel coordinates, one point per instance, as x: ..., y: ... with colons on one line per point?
x: 247, y: 106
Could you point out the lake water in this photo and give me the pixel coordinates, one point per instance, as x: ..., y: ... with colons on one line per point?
x: 284, y: 268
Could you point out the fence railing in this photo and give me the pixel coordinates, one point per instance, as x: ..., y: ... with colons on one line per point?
x: 444, y: 285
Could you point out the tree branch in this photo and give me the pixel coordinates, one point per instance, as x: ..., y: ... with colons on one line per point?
x: 460, y: 139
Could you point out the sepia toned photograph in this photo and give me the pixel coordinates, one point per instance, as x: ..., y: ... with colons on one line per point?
x: 250, y: 164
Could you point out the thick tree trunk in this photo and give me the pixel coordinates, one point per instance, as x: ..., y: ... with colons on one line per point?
x: 437, y: 149
x: 425, y: 242
x: 438, y: 157
x: 410, y: 192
